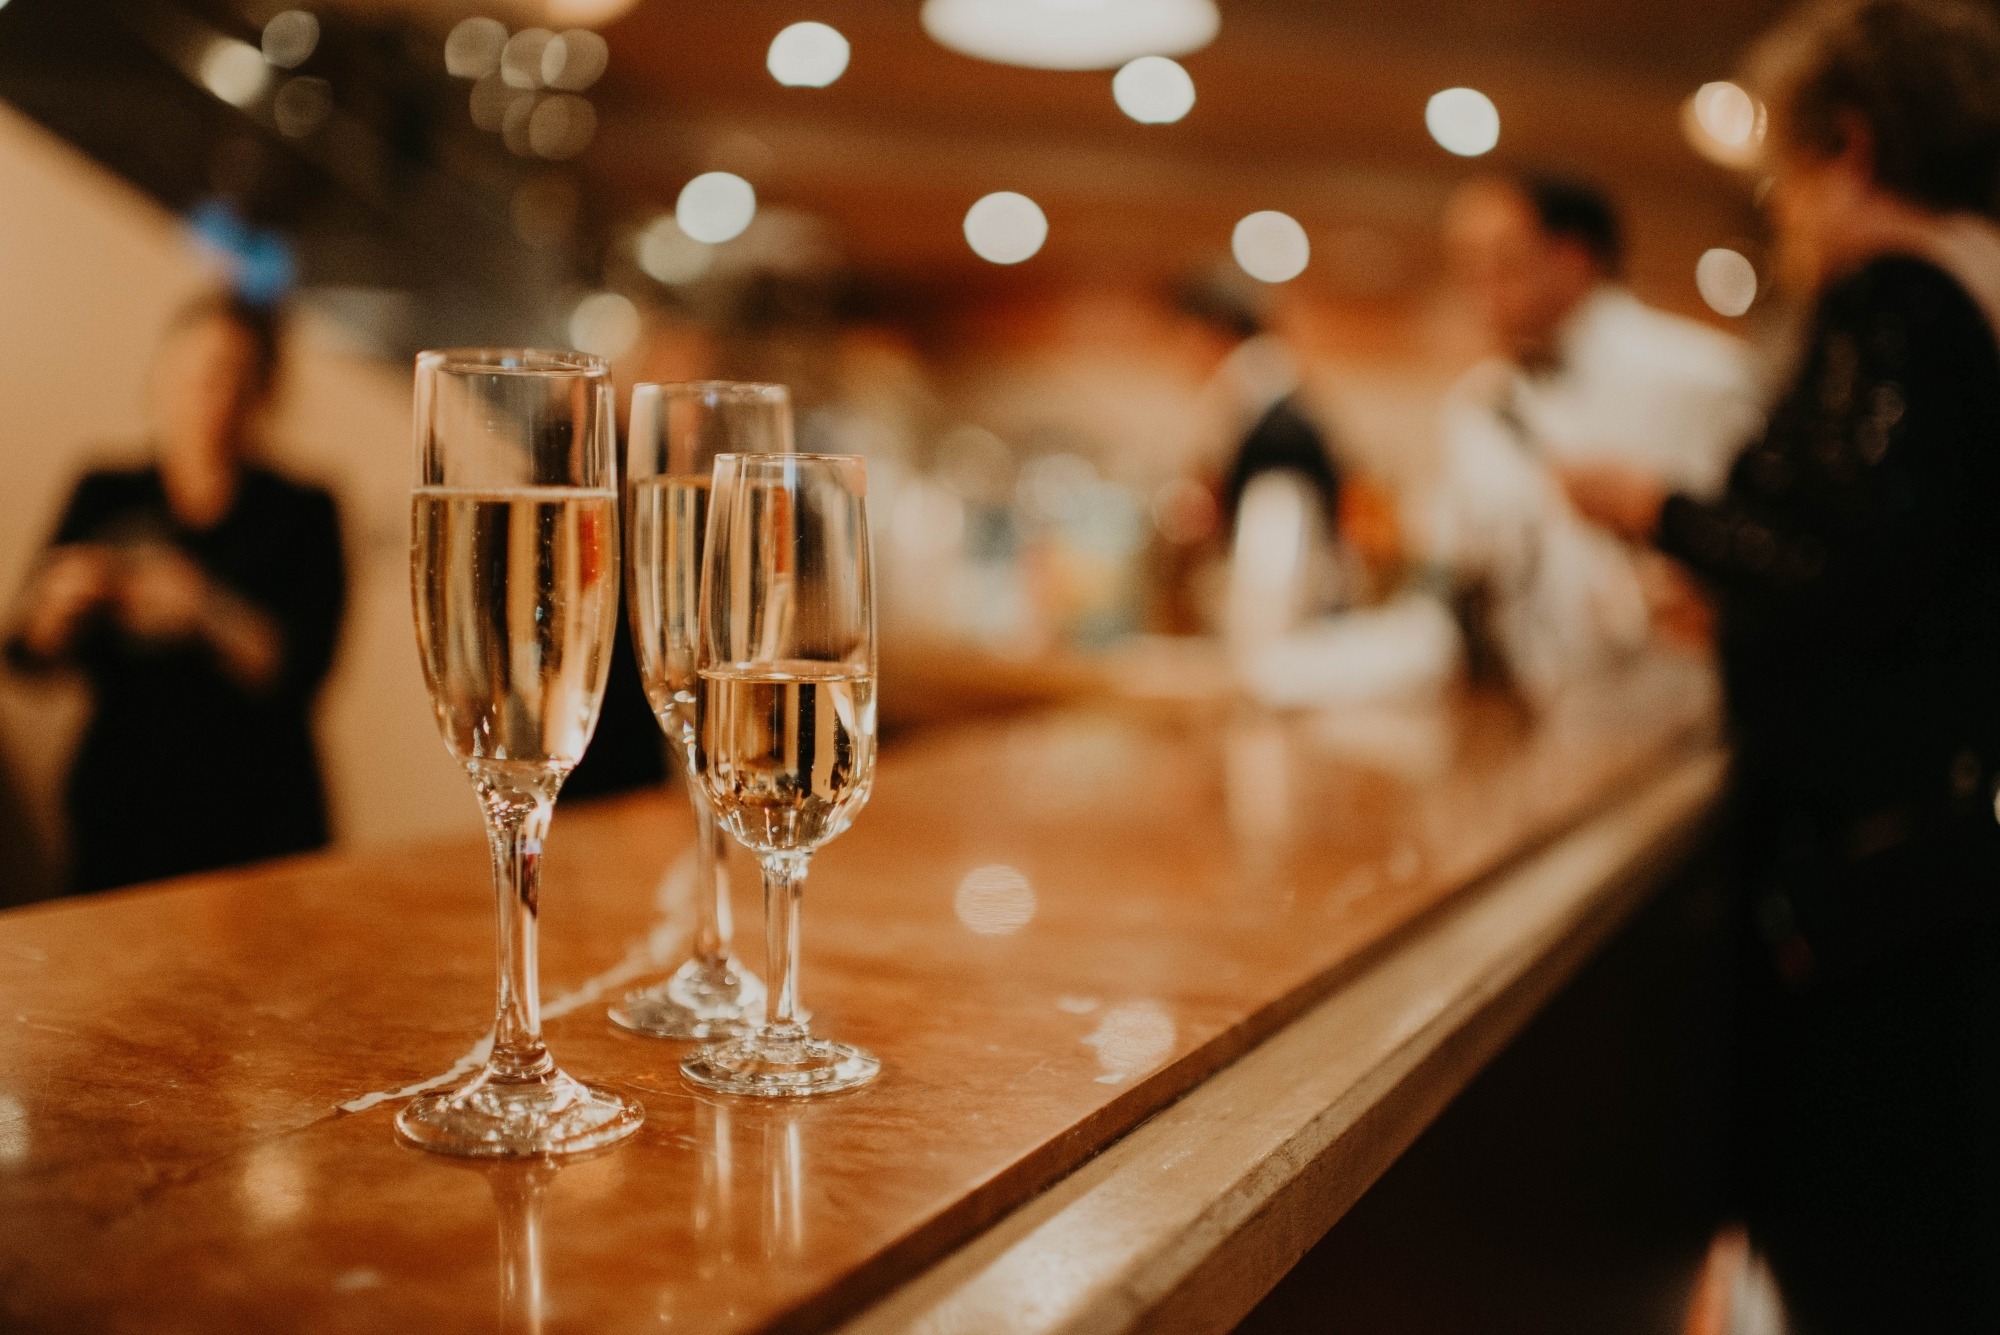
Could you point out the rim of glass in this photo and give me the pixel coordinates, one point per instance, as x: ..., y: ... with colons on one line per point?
x: 512, y: 361
x: 728, y: 389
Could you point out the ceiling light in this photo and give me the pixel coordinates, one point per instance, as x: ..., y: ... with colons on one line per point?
x: 1463, y: 121
x: 671, y: 256
x: 289, y: 38
x: 575, y: 60
x: 586, y: 13
x: 604, y: 323
x: 1271, y: 246
x: 715, y: 207
x: 473, y: 49
x: 1724, y: 123
x: 521, y: 58
x: 1006, y: 228
x: 1071, y: 34
x: 234, y: 71
x: 561, y: 126
x: 807, y: 55
x: 1726, y: 281
x: 1153, y: 90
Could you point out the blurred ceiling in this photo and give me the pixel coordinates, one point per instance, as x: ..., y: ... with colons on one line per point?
x: 1309, y: 106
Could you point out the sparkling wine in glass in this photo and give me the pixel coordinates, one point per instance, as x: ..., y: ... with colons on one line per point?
x: 514, y: 579
x: 785, y: 722
x: 676, y: 433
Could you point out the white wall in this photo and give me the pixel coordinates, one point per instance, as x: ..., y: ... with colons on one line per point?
x: 90, y: 271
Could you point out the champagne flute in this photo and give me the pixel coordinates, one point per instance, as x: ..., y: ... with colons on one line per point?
x: 676, y: 432
x: 785, y: 722
x: 514, y: 577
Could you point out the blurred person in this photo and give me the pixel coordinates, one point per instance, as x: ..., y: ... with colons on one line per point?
x: 201, y: 596
x: 1579, y: 370
x: 1856, y: 557
x: 1257, y: 377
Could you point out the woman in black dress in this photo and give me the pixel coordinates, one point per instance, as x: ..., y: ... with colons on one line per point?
x: 200, y: 596
x: 1856, y: 563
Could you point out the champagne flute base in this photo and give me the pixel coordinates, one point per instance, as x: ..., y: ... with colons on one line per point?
x: 763, y: 1067
x: 699, y: 1000
x: 494, y: 1118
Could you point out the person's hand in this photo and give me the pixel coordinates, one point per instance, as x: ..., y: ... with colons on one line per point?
x: 162, y: 595
x: 1681, y: 612
x: 76, y: 579
x: 1624, y: 499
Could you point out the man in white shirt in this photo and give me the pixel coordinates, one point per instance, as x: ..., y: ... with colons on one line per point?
x: 1581, y: 373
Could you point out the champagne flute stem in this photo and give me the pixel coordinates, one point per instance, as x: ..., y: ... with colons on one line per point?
x: 711, y: 923
x: 784, y: 880
x: 516, y: 823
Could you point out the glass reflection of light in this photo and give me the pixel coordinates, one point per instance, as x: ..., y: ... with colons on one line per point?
x: 1005, y: 228
x: 714, y: 1202
x: 1463, y: 121
x: 472, y: 51
x: 715, y: 207
x: 575, y: 60
x: 274, y: 1187
x: 1133, y: 1037
x: 784, y: 1169
x: 289, y: 38
x: 604, y: 323
x: 807, y: 55
x: 995, y: 900
x: 1153, y: 90
x: 1271, y: 246
x: 518, y: 1190
x: 1724, y: 123
x: 1726, y: 280
x: 671, y: 256
x: 14, y: 1138
x: 234, y: 71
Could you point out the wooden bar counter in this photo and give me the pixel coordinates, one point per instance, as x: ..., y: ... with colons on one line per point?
x: 1158, y: 994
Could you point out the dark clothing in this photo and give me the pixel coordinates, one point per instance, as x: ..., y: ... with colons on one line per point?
x: 1856, y: 557
x: 1284, y: 440
x: 182, y: 768
x: 628, y: 750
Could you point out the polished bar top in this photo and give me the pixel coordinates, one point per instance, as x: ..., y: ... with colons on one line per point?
x: 1048, y: 928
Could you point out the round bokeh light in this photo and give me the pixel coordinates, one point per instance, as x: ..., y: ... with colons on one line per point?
x: 1153, y: 90
x: 1726, y: 280
x: 1463, y: 121
x: 1005, y: 228
x: 715, y: 207
x: 807, y: 55
x: 1271, y: 246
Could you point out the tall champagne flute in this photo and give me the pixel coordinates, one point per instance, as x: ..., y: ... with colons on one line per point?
x: 785, y: 722
x: 514, y: 576
x: 676, y: 433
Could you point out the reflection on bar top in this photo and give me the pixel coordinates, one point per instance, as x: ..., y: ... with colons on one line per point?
x: 1047, y: 927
